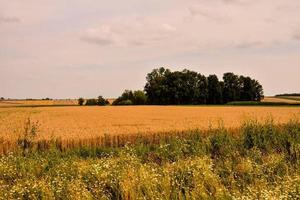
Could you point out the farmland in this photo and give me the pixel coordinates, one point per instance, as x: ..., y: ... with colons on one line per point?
x: 89, y: 122
x: 149, y: 152
x: 259, y: 161
x: 283, y: 99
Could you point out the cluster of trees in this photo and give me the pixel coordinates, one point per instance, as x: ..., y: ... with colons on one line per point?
x: 165, y: 87
x: 131, y: 98
x: 100, y: 101
x: 189, y: 87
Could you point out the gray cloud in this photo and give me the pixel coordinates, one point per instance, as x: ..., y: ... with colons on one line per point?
x: 4, y: 19
x: 97, y: 40
x: 136, y: 32
x: 200, y: 11
x: 296, y: 35
x: 246, y: 45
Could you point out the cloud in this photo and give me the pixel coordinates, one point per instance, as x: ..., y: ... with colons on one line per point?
x: 245, y: 45
x: 136, y: 32
x: 296, y: 35
x: 206, y: 35
x: 102, y: 36
x: 205, y: 12
x: 4, y: 19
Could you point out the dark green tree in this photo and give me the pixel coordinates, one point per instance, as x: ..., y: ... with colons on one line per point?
x: 139, y: 98
x: 259, y: 92
x: 80, y: 101
x: 91, y: 102
x: 101, y: 101
x: 214, y: 90
x: 247, y: 89
x: 232, y: 87
x: 189, y: 87
x: 156, y: 87
x: 131, y: 98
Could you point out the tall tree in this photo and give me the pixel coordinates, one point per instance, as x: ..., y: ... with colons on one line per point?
x: 155, y: 88
x: 232, y: 87
x: 189, y: 87
x: 214, y: 90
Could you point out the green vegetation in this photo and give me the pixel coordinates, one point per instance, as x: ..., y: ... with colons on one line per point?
x: 131, y: 98
x: 93, y: 102
x: 81, y: 101
x: 164, y: 87
x: 258, y: 161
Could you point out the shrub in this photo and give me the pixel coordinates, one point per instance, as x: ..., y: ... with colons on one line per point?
x: 125, y: 102
x: 80, y: 101
x: 91, y: 102
x: 26, y: 141
x: 101, y: 101
x: 139, y: 98
x: 131, y: 98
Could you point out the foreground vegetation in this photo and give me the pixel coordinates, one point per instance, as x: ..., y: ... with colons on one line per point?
x: 257, y: 161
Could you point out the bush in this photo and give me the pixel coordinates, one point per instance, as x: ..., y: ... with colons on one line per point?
x: 94, y: 102
x: 131, y: 98
x: 125, y: 102
x: 101, y: 101
x: 91, y: 102
x: 80, y: 101
x: 139, y: 98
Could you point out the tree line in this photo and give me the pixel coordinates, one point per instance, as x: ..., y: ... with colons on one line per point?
x: 164, y: 87
x: 188, y: 87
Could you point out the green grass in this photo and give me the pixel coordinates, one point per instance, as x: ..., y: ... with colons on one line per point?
x: 259, y: 161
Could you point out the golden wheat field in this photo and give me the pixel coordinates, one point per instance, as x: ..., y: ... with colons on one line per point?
x: 89, y: 122
x: 10, y: 103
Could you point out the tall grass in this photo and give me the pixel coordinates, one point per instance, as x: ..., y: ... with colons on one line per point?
x: 257, y: 161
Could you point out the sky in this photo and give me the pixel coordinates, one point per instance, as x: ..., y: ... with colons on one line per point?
x: 86, y: 48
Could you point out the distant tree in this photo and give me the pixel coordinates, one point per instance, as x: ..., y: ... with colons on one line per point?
x: 156, y: 87
x: 101, y: 101
x: 139, y: 98
x: 80, y: 101
x: 2, y: 98
x: 125, y: 102
x: 179, y: 87
x: 131, y: 98
x: 214, y: 90
x: 202, y: 87
x: 91, y: 102
x: 232, y: 87
x: 247, y: 89
x: 259, y: 92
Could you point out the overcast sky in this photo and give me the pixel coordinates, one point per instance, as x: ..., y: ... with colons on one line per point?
x: 68, y: 49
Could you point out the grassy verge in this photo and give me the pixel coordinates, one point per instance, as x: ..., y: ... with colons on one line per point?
x: 259, y: 161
